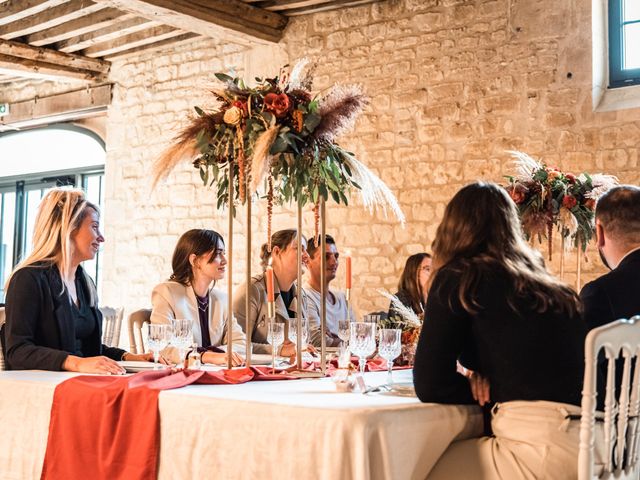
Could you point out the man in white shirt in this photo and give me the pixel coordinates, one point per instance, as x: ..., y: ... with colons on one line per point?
x: 336, y: 300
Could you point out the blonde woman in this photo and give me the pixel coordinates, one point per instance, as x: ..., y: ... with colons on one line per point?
x: 52, y: 316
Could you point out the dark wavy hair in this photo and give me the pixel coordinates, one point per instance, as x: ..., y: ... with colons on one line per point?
x: 409, y: 279
x: 196, y: 241
x: 481, y: 232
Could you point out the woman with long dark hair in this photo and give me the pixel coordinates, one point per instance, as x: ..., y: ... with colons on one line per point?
x: 412, y: 287
x: 494, y: 307
x: 198, y: 262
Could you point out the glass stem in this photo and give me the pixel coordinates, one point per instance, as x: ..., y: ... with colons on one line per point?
x: 389, y: 375
x: 363, y: 361
x: 156, y: 359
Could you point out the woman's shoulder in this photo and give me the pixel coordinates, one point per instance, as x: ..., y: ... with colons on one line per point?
x: 218, y: 295
x: 170, y: 287
x: 35, y: 272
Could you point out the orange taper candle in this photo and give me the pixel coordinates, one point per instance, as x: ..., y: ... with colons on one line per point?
x: 270, y: 294
x: 348, y: 261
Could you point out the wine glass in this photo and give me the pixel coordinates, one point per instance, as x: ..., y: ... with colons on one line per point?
x: 293, y: 332
x: 158, y: 337
x: 389, y: 348
x: 275, y: 336
x: 363, y: 341
x: 344, y: 330
x: 182, y: 337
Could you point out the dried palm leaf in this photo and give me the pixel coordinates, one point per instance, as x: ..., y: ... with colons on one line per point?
x: 260, y: 158
x: 184, y: 145
x: 524, y: 165
x: 373, y: 191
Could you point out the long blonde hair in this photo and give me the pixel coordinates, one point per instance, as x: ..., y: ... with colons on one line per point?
x: 60, y: 213
x: 481, y: 232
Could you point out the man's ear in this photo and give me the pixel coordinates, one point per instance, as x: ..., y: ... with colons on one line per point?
x: 600, y: 237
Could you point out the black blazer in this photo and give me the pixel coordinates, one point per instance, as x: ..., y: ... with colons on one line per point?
x: 614, y: 295
x: 39, y: 332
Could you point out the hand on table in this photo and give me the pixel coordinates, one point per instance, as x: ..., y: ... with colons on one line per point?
x: 220, y: 358
x: 143, y: 357
x: 99, y: 364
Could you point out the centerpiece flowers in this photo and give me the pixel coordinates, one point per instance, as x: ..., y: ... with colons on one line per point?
x: 549, y: 198
x: 279, y: 136
x: 405, y: 319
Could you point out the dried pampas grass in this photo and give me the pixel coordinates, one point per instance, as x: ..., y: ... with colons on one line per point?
x: 338, y: 110
x: 407, y: 314
x: 260, y: 158
x: 373, y: 191
x: 524, y: 165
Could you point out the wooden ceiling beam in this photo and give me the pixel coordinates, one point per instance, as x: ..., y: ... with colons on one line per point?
x: 105, y: 34
x: 331, y: 5
x: 144, y: 37
x: 89, y: 23
x: 37, y: 62
x: 185, y: 37
x: 51, y: 17
x: 13, y: 10
x: 210, y: 17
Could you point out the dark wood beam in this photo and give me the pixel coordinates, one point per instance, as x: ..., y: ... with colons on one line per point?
x: 49, y: 18
x: 144, y: 37
x: 37, y: 62
x: 209, y: 17
x: 79, y: 26
x: 331, y: 5
x: 104, y: 34
x: 13, y: 10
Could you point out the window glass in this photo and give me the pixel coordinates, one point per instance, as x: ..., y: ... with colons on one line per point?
x: 7, y: 224
x: 631, y: 10
x: 632, y: 45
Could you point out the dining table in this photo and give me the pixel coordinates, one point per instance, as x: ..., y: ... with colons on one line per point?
x: 303, y: 428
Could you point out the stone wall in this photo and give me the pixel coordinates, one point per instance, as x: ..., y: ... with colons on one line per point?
x: 453, y: 85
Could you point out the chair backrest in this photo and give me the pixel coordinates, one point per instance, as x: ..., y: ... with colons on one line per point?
x: 111, y: 325
x: 2, y: 320
x: 619, y: 339
x: 136, y: 320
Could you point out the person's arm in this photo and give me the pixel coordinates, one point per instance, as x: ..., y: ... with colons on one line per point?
x: 441, y: 342
x: 161, y: 306
x: 25, y: 302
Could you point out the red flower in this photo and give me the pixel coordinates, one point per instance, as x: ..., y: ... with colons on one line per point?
x: 569, y: 201
x: 517, y: 193
x: 590, y: 203
x: 241, y: 105
x: 571, y: 177
x: 277, y: 104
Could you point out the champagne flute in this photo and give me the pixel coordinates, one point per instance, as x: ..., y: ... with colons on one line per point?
x: 363, y: 341
x: 158, y: 338
x: 182, y: 337
x: 275, y: 336
x: 389, y: 348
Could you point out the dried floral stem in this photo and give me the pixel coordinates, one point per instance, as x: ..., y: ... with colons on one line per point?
x: 241, y: 164
x: 269, y: 210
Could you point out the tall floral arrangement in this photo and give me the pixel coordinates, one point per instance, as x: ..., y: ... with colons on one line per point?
x: 279, y: 136
x: 548, y: 199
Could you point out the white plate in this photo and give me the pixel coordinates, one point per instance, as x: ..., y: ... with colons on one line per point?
x: 132, y: 366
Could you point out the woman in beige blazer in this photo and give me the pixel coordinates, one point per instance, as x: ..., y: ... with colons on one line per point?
x: 198, y: 262
x: 284, y: 260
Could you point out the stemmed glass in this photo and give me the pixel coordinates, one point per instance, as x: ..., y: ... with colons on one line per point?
x: 363, y: 341
x: 344, y: 330
x: 275, y: 336
x: 389, y: 348
x: 182, y: 337
x: 293, y: 332
x: 159, y: 336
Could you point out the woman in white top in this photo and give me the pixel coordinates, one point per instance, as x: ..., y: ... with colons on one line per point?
x: 198, y: 262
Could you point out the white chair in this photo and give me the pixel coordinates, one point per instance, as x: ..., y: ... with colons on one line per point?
x: 621, y: 440
x: 111, y: 325
x: 136, y: 321
x: 2, y: 320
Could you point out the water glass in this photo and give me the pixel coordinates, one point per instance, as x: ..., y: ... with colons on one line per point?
x: 182, y: 337
x: 389, y: 348
x: 372, y: 318
x: 159, y: 336
x: 344, y: 330
x: 275, y: 336
x: 362, y: 342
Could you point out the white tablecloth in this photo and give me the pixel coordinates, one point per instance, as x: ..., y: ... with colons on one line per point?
x: 286, y: 429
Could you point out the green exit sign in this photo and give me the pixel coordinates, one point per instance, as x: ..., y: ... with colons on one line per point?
x: 4, y: 109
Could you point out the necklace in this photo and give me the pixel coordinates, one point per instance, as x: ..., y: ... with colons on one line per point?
x: 203, y: 302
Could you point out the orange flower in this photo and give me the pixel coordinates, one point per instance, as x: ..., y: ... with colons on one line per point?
x: 277, y: 104
x: 590, y: 203
x: 569, y: 201
x: 517, y: 194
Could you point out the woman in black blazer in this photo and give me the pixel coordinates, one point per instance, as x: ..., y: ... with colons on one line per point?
x: 52, y: 316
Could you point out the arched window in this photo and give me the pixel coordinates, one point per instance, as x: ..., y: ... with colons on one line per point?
x: 31, y: 163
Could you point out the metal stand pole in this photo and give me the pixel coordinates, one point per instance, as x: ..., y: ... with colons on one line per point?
x: 300, y: 307
x: 249, y: 324
x: 323, y: 288
x: 230, y: 267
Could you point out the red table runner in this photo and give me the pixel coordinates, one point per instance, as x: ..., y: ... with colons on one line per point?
x: 105, y: 427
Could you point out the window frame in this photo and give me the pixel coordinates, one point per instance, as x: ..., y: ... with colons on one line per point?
x: 619, y: 77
